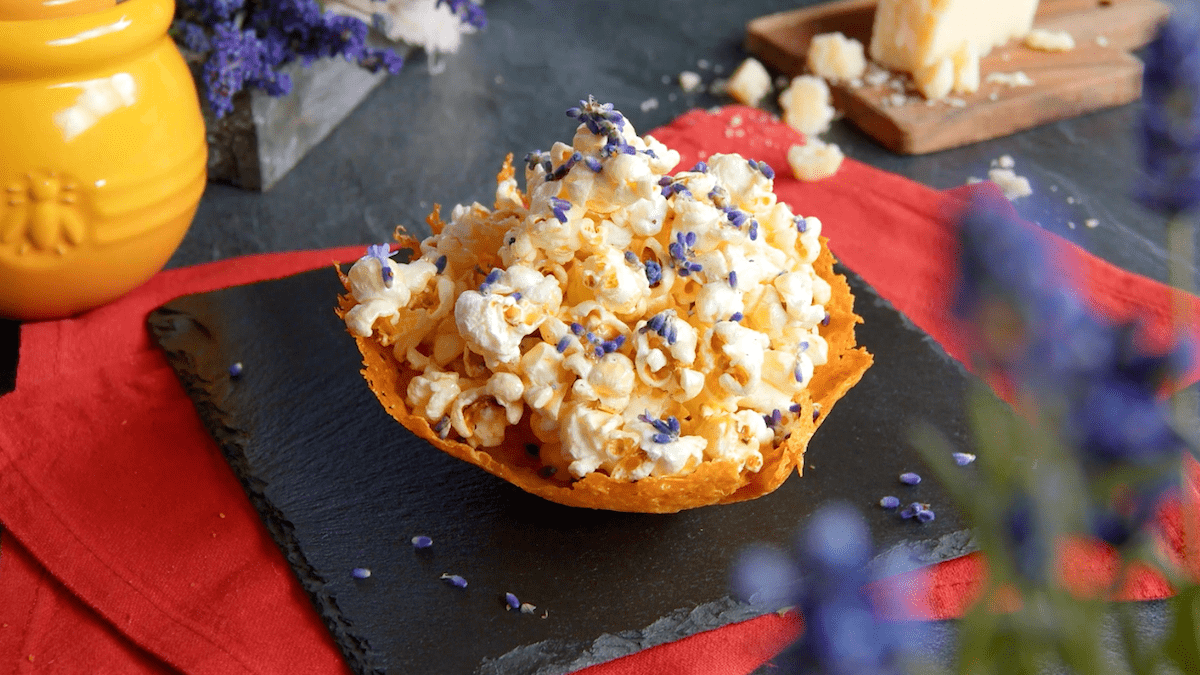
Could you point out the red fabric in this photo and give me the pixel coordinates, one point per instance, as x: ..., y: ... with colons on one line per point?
x: 130, y: 547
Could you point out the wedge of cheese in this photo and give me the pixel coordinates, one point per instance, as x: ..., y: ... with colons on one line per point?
x: 928, y: 37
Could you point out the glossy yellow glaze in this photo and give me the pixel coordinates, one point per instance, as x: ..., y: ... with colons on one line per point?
x: 24, y: 10
x: 102, y: 156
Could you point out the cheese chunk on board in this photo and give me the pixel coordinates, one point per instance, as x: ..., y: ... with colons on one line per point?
x: 911, y: 34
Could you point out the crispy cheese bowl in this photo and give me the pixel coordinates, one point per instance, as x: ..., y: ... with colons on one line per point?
x: 615, y: 336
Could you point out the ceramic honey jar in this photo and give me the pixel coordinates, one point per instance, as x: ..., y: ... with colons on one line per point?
x: 102, y: 152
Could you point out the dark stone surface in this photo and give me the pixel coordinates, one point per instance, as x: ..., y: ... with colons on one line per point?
x: 421, y: 138
x: 342, y: 485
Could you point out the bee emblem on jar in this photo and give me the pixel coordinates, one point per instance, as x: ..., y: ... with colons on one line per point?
x: 42, y: 214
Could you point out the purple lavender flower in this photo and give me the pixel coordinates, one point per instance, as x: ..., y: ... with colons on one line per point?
x: 246, y: 42
x: 467, y: 11
x: 825, y: 580
x: 1097, y: 379
x: 562, y: 171
x: 382, y: 252
x: 191, y: 35
x: 559, y: 208
x: 454, y: 580
x: 653, y: 272
x: 1170, y: 125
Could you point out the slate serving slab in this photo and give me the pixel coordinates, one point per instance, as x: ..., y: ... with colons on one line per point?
x: 340, y: 485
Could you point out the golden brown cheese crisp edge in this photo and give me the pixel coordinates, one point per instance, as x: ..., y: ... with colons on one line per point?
x: 713, y: 482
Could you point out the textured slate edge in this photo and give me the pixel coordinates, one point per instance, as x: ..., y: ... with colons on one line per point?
x: 166, y: 325
x: 10, y: 343
x: 557, y: 657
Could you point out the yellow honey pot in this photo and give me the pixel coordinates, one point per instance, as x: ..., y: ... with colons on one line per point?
x: 102, y: 153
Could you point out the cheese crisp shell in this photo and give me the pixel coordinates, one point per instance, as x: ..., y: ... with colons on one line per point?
x: 713, y: 482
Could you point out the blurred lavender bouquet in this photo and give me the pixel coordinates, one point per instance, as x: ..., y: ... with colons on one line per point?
x: 244, y: 43
x: 1089, y: 454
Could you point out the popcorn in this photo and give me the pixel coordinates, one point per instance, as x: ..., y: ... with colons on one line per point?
x: 638, y: 324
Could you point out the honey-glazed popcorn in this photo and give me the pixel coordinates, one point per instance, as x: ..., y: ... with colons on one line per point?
x: 626, y: 323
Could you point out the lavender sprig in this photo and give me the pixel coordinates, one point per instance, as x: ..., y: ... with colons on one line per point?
x: 825, y: 578
x: 1170, y: 123
x: 244, y: 43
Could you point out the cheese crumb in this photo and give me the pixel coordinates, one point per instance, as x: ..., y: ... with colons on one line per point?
x: 689, y: 81
x: 876, y: 76
x: 815, y: 160
x: 836, y: 57
x: 1049, y: 40
x: 1004, y: 162
x: 1091, y: 222
x: 1014, y: 186
x: 749, y: 83
x: 649, y: 104
x: 1101, y: 40
x: 1014, y: 79
x: 806, y: 106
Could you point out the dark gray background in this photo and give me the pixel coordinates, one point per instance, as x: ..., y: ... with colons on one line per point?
x: 421, y: 138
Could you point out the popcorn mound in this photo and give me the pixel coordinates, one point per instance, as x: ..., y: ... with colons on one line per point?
x: 616, y: 337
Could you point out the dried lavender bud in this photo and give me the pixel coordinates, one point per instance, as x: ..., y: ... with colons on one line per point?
x: 454, y: 580
x: 360, y: 573
x: 963, y: 458
x: 235, y: 370
x: 421, y: 541
x: 890, y: 502
x: 511, y: 601
x: 910, y: 478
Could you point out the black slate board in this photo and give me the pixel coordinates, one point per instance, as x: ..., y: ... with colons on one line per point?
x: 341, y: 485
x: 10, y: 340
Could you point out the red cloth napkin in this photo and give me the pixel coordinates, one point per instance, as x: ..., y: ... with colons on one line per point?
x: 129, y: 546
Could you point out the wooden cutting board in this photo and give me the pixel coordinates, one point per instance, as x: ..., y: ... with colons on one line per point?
x: 1099, y: 73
